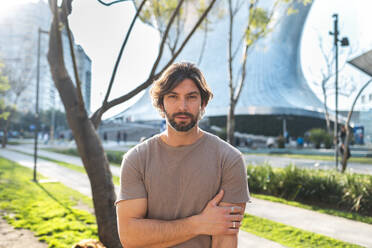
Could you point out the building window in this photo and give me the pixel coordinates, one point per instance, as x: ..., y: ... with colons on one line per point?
x: 363, y: 99
x: 370, y: 97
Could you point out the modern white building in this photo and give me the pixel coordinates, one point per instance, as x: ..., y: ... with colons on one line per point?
x: 364, y: 104
x: 18, y: 50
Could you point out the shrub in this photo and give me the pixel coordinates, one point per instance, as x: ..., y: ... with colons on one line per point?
x: 318, y: 136
x: 328, y: 140
x: 115, y: 156
x: 112, y: 156
x: 351, y: 192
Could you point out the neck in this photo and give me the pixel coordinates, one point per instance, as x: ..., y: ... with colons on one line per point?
x: 175, y: 138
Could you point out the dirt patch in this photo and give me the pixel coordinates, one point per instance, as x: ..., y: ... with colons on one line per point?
x: 17, y: 238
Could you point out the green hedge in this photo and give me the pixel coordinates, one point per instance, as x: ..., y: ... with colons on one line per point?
x: 351, y: 192
x: 112, y: 156
x: 320, y: 136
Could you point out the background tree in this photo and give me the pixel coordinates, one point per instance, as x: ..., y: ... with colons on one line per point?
x: 348, y: 133
x: 4, y: 86
x: 84, y: 128
x: 325, y: 77
x: 19, y: 73
x: 257, y: 27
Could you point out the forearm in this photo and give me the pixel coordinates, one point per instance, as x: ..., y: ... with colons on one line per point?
x: 157, y: 233
x: 225, y: 241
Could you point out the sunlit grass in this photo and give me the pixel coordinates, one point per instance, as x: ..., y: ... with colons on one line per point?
x: 287, y: 235
x: 46, y: 209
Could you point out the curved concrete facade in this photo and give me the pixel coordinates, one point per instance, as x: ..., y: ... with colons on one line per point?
x: 275, y: 84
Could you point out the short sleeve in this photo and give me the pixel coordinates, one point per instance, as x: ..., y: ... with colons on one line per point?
x: 131, y: 181
x: 234, y: 181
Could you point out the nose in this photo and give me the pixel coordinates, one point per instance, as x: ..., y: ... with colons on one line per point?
x: 182, y: 105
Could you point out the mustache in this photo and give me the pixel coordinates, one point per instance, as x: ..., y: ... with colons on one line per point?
x: 183, y: 113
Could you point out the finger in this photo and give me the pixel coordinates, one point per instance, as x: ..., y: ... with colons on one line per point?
x: 231, y: 231
x: 233, y: 209
x: 217, y: 198
x: 236, y: 217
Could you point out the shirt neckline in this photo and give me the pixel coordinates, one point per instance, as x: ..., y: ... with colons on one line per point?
x: 181, y: 148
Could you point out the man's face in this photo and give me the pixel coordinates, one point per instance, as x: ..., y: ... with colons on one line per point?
x: 182, y: 106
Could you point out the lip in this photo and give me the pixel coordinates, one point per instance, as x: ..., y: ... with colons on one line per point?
x: 182, y: 117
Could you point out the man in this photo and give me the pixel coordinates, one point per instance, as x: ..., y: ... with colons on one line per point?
x: 183, y: 187
x: 342, y: 135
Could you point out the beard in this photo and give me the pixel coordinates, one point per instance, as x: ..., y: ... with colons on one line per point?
x: 182, y: 126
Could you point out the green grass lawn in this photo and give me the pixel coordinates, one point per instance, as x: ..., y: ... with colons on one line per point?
x: 46, y: 209
x: 362, y: 160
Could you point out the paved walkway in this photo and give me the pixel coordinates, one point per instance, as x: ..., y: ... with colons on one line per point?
x: 338, y: 228
x: 115, y: 170
x: 280, y: 161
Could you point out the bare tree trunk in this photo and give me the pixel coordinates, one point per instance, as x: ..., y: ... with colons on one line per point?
x: 231, y: 124
x: 346, y: 149
x: 87, y: 140
x: 5, y: 130
x: 326, y: 113
x: 348, y: 135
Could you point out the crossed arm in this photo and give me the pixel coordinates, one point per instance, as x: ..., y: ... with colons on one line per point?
x: 216, y: 220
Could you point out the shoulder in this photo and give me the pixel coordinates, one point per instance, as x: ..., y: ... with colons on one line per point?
x: 222, y: 147
x: 136, y: 153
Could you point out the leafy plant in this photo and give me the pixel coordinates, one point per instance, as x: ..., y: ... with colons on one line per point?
x: 319, y: 136
x: 350, y: 192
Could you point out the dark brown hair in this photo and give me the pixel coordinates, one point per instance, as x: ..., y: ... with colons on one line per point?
x: 173, y: 76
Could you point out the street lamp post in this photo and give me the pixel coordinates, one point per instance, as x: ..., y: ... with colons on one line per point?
x: 344, y: 42
x: 40, y: 31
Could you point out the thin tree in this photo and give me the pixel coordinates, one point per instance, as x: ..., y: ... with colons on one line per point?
x: 4, y: 87
x: 327, y: 72
x: 348, y: 133
x: 84, y: 127
x: 19, y: 74
x: 256, y: 28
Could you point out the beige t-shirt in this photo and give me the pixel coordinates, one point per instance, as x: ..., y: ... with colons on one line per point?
x: 178, y: 182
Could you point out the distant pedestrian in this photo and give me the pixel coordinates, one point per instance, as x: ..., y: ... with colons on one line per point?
x: 124, y: 136
x: 105, y: 137
x: 300, y: 142
x: 342, y: 144
x: 118, y: 137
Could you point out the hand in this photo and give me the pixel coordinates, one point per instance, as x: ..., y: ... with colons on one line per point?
x: 215, y: 220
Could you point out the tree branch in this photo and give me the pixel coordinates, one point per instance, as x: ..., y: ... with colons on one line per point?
x: 73, y: 57
x: 96, y: 117
x: 202, y: 17
x: 230, y: 58
x: 204, y: 43
x: 121, y: 52
x: 111, y: 3
x: 356, y: 99
x: 241, y: 83
x: 165, y: 36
